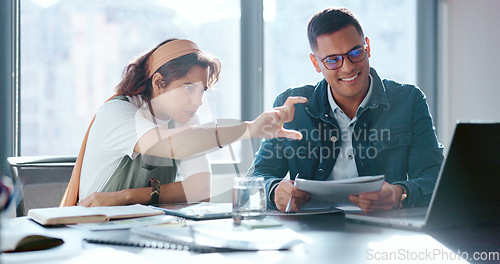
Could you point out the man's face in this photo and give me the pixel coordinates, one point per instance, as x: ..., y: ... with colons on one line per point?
x: 350, y: 82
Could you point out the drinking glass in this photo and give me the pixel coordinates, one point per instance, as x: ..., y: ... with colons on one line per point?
x: 249, y: 199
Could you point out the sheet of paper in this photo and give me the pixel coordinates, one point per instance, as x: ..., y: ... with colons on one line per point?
x: 133, y: 222
x: 208, y: 208
x: 307, y: 211
x: 336, y: 193
x: 241, y: 238
x: 134, y: 210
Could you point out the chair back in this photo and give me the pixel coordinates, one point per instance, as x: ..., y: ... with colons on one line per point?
x: 44, y: 180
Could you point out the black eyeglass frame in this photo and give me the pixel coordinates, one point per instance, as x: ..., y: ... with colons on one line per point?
x: 365, y: 47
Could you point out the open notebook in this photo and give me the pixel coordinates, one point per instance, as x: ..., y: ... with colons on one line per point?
x: 466, y: 191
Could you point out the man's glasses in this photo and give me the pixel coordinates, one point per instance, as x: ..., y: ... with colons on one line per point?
x: 336, y: 61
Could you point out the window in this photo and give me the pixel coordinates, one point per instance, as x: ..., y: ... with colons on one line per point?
x: 73, y: 53
x: 390, y: 25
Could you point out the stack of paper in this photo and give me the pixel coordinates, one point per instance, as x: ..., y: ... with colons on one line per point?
x: 336, y: 193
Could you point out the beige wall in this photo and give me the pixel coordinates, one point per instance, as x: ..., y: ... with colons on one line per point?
x: 469, y: 77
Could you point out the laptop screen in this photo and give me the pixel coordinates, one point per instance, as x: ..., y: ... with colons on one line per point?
x: 467, y: 190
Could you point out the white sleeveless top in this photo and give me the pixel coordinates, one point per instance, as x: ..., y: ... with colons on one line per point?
x: 117, y: 127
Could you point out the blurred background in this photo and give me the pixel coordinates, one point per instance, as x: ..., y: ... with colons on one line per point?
x: 61, y: 59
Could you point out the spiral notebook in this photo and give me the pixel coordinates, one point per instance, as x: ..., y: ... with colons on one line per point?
x: 178, y: 239
x: 206, y: 238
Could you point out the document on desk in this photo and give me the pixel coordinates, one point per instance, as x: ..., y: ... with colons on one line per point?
x: 224, y: 236
x: 336, y: 193
x: 198, y: 211
x: 240, y: 238
x: 164, y: 220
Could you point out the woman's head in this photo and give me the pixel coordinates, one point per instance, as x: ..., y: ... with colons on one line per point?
x: 164, y: 68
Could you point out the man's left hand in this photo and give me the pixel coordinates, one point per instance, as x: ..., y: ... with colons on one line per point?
x: 388, y: 197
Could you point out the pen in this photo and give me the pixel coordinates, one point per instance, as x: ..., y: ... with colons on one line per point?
x: 287, y: 210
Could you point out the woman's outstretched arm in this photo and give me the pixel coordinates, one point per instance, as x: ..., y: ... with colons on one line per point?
x: 179, y: 143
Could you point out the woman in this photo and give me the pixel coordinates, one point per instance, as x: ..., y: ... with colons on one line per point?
x: 149, y: 131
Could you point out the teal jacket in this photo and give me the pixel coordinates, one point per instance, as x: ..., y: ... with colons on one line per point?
x: 394, y: 136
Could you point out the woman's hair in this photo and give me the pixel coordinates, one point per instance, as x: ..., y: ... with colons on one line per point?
x: 135, y: 76
x: 328, y: 21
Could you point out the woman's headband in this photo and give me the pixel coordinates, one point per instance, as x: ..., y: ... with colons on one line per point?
x: 169, y: 51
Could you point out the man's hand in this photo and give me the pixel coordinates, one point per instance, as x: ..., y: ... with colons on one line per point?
x: 386, y: 198
x: 285, y: 191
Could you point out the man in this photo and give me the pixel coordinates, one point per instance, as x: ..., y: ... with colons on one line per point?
x: 353, y: 124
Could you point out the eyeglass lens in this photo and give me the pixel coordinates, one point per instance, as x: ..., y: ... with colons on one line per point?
x: 336, y: 61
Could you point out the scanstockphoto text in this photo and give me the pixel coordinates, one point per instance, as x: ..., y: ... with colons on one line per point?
x: 310, y: 149
x: 437, y: 254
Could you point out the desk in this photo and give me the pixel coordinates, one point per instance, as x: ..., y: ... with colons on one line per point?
x: 334, y: 240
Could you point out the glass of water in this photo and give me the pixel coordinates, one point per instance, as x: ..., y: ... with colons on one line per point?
x: 249, y: 199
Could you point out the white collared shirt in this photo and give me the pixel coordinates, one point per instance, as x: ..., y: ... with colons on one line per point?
x: 345, y: 166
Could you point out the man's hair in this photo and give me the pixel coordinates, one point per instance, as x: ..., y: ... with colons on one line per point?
x: 328, y: 21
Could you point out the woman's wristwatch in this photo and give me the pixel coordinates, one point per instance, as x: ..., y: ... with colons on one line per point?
x: 155, y: 191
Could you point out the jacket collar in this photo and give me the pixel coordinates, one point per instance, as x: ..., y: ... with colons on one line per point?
x: 318, y: 106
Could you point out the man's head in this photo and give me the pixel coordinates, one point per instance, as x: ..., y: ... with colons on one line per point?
x: 340, y: 52
x: 328, y: 21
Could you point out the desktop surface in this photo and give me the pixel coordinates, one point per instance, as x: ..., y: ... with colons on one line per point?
x: 332, y: 240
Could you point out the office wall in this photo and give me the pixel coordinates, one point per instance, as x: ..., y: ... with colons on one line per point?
x: 6, y: 81
x: 469, y: 85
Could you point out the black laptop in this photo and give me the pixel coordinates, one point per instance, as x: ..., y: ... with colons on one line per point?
x: 467, y: 190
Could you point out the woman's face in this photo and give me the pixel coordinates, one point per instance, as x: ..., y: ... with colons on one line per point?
x: 181, y: 98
